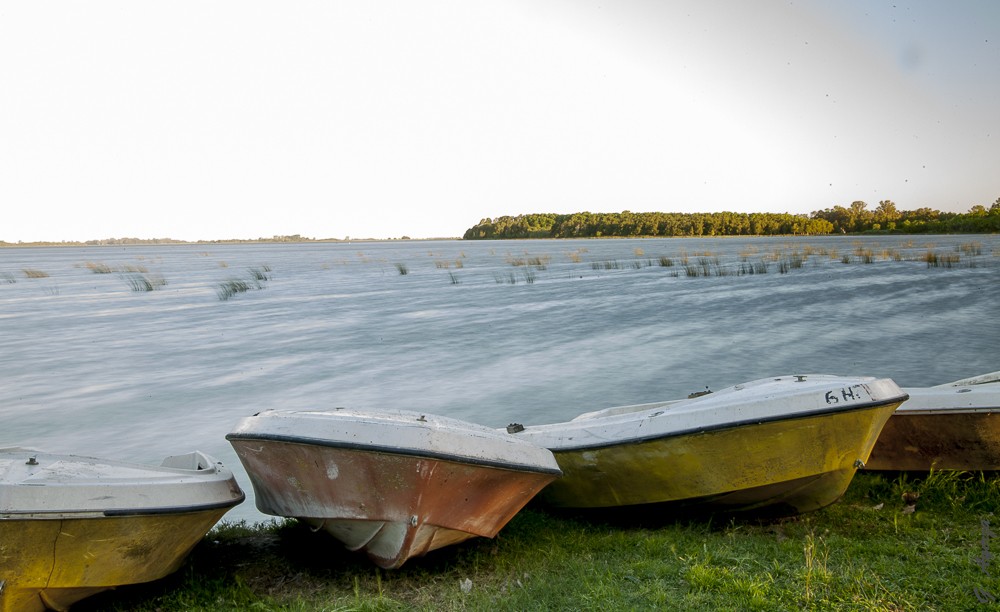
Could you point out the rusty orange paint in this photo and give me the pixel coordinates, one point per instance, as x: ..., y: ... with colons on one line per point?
x: 392, y: 506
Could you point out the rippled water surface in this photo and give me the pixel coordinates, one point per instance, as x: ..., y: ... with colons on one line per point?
x: 490, y: 332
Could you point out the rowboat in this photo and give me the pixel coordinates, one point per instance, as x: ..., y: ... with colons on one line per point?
x: 395, y: 484
x: 779, y: 446
x: 954, y: 426
x: 73, y: 526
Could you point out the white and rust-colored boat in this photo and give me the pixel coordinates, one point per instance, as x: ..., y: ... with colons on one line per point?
x: 781, y: 445
x: 74, y: 526
x: 393, y: 483
x: 954, y: 426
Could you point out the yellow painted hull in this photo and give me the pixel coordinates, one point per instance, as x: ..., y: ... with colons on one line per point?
x: 50, y: 563
x: 787, y: 466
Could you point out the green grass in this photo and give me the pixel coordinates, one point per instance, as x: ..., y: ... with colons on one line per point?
x: 870, y: 551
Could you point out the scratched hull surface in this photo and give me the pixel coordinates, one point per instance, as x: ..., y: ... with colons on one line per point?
x: 112, y: 529
x: 781, y: 446
x: 398, y: 485
x: 947, y: 427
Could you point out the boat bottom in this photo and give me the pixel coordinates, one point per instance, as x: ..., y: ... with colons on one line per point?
x: 390, y: 544
x: 51, y: 563
x: 778, y: 499
x: 772, y: 501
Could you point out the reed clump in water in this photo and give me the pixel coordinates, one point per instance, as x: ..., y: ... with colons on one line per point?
x: 790, y: 262
x: 255, y: 280
x: 99, y: 267
x: 614, y: 264
x: 753, y: 267
x: 971, y: 249
x: 865, y: 255
x: 139, y: 282
x: 34, y: 273
x: 539, y: 263
x: 940, y: 260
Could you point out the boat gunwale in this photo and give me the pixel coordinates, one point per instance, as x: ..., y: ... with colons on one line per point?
x: 720, y: 426
x: 944, y: 411
x: 121, y: 512
x: 394, y: 450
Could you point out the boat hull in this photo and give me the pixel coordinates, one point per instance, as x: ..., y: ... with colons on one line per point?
x: 394, y: 507
x: 84, y: 556
x: 955, y: 426
x: 391, y: 484
x: 920, y: 442
x: 781, y: 445
x: 744, y: 468
x: 73, y: 526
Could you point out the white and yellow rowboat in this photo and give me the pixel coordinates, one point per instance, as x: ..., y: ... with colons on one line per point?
x: 781, y: 445
x: 73, y: 526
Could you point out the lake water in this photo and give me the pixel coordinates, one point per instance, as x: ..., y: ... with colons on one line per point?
x: 490, y: 332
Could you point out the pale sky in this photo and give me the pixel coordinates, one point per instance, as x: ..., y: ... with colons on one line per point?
x: 379, y: 119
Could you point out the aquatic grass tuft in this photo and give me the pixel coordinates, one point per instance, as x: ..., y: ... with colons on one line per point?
x: 756, y: 267
x: 34, y: 273
x: 403, y: 270
x: 234, y: 286
x: 940, y: 260
x: 99, y: 268
x: 7, y: 278
x: 260, y: 274
x: 971, y: 248
x: 255, y: 280
x: 540, y: 263
x: 143, y: 282
x: 508, y: 278
x: 865, y: 255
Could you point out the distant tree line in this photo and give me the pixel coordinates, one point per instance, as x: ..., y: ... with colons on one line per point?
x: 856, y: 218
x: 155, y: 241
x: 886, y: 217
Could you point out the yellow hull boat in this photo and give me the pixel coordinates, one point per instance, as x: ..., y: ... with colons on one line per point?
x: 73, y: 526
x: 782, y: 446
